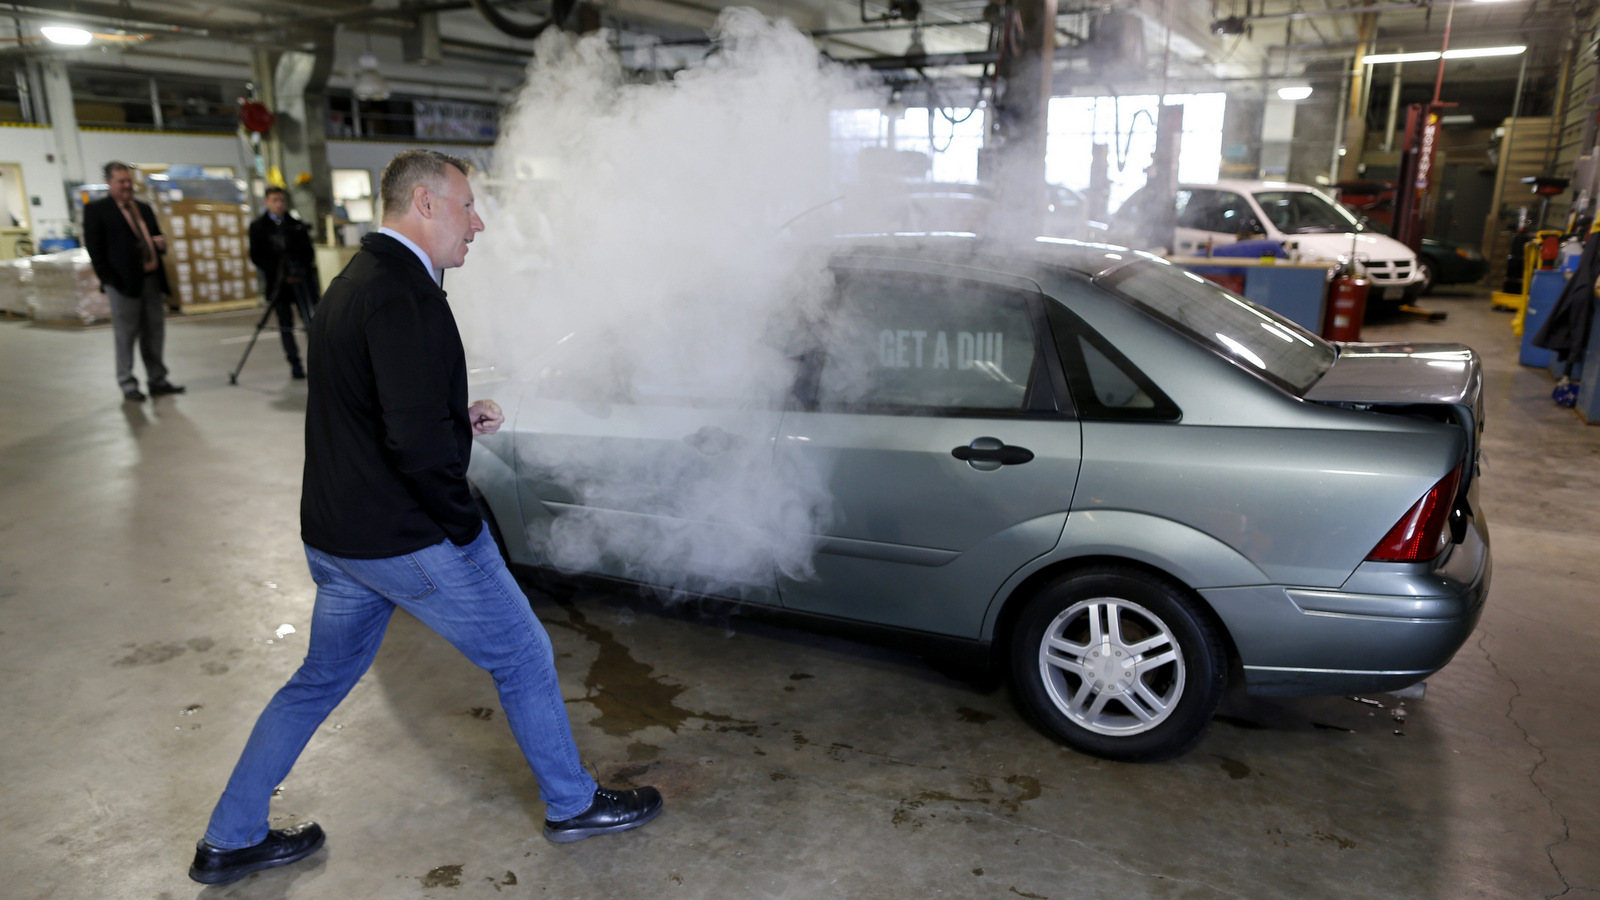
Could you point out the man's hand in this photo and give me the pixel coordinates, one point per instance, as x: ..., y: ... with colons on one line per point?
x: 485, y: 416
x: 160, y: 240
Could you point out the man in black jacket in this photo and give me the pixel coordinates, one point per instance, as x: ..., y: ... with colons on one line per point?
x: 125, y: 245
x: 280, y: 246
x: 388, y: 520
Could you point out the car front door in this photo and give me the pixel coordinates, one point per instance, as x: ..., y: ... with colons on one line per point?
x: 949, y: 442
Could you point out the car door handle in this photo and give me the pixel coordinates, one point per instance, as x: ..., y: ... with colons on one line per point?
x: 987, y: 454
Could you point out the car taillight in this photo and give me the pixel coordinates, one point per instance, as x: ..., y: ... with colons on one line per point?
x: 1420, y: 533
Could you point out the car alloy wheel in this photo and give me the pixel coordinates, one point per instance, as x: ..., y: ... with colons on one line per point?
x: 1119, y: 664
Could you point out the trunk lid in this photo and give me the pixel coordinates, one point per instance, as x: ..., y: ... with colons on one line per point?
x: 1442, y: 381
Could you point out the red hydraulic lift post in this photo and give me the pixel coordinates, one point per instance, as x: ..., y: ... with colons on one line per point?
x: 1417, y: 153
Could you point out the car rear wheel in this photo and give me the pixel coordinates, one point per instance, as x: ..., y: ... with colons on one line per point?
x: 1118, y: 663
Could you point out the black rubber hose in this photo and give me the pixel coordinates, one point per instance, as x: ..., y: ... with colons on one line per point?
x: 518, y: 29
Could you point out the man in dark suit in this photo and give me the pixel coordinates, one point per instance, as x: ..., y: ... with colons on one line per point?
x: 125, y: 244
x: 389, y: 521
x: 280, y: 246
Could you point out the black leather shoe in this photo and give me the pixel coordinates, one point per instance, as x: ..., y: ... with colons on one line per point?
x: 611, y: 811
x: 134, y: 396
x: 213, y: 865
x: 296, y: 371
x: 166, y: 387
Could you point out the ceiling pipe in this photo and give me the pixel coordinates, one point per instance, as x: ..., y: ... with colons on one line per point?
x: 558, y: 11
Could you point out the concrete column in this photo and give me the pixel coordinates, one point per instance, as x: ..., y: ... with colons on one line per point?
x: 1241, y: 136
x: 1018, y: 132
x: 63, y: 122
x: 292, y: 84
x: 1277, y: 137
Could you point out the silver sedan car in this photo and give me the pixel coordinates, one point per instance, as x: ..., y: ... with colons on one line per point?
x: 1078, y: 465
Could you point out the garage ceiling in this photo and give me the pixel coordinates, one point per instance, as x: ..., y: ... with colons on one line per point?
x: 1182, y: 44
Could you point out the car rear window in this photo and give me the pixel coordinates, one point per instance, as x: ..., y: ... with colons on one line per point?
x: 1256, y: 338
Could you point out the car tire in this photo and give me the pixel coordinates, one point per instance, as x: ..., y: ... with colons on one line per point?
x: 1426, y: 268
x: 1143, y: 691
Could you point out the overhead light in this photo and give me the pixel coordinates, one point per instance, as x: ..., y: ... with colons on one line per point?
x: 61, y: 34
x: 1462, y: 119
x: 1299, y: 92
x: 1376, y: 58
x: 1485, y: 51
x: 370, y: 83
x: 1429, y: 55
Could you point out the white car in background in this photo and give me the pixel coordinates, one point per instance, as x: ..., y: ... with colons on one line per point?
x: 1297, y: 215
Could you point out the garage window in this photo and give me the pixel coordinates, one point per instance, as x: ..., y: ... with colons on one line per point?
x: 924, y: 345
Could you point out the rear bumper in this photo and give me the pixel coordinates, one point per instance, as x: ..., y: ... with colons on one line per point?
x: 1390, y: 625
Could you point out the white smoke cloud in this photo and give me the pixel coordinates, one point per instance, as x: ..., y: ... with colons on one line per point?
x: 637, y: 273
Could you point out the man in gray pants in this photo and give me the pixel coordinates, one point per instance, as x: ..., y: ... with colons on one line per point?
x: 125, y: 245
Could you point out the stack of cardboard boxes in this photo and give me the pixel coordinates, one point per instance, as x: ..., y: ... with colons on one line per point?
x: 207, y: 224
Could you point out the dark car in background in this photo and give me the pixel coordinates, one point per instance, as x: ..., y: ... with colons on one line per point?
x: 1443, y: 261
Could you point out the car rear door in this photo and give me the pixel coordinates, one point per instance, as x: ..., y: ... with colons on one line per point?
x: 637, y: 474
x: 937, y: 409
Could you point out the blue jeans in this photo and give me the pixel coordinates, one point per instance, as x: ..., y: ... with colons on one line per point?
x: 469, y: 597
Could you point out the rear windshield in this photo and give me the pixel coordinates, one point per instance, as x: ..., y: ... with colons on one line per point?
x: 1255, y: 337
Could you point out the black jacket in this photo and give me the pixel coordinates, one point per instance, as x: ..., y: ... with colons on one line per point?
x: 114, y: 247
x: 273, y: 243
x: 1566, y: 331
x: 387, y: 434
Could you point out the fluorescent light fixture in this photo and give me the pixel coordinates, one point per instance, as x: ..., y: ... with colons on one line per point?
x: 1457, y: 120
x: 1429, y: 55
x: 60, y: 34
x: 1485, y: 51
x: 1376, y: 58
x: 1295, y: 93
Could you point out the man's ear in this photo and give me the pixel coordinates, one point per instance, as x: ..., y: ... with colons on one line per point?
x: 422, y: 199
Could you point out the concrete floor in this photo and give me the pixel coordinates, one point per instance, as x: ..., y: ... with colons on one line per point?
x: 150, y: 573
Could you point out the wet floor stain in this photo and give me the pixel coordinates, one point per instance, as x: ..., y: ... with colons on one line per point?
x: 639, y: 750
x: 1028, y: 788
x: 201, y: 644
x: 978, y: 871
x: 1235, y: 769
x: 481, y: 713
x: 442, y: 876
x: 214, y: 668
x: 800, y: 676
x: 1341, y: 843
x: 974, y: 716
x: 672, y: 777
x: 1019, y: 790
x: 1326, y: 727
x: 629, y: 696
x: 508, y: 880
x: 149, y: 654
x: 1240, y: 722
x: 1028, y: 895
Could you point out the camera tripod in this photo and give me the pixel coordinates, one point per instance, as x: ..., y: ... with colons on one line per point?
x: 301, y: 292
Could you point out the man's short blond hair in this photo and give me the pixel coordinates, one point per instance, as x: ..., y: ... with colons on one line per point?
x: 410, y: 168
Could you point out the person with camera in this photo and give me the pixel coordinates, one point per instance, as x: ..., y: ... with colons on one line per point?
x: 280, y: 246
